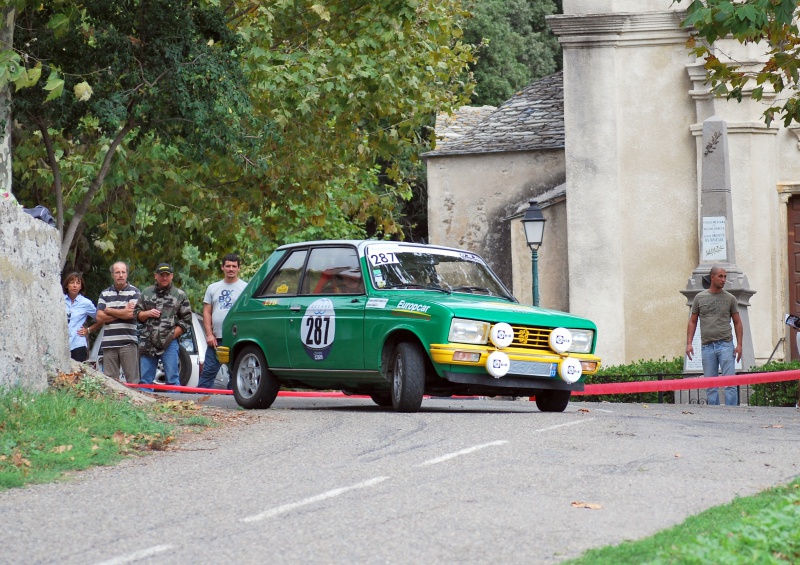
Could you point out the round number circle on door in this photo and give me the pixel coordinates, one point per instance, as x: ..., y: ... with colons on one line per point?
x: 318, y: 329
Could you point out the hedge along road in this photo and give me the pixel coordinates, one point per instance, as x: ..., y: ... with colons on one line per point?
x: 342, y: 480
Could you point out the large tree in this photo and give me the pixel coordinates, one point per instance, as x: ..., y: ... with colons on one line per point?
x: 156, y: 66
x: 516, y: 46
x: 770, y: 23
x: 338, y: 93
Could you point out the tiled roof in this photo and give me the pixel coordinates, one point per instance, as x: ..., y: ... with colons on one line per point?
x: 451, y: 127
x: 532, y: 119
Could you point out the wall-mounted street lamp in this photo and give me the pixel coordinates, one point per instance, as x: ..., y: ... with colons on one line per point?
x: 533, y: 222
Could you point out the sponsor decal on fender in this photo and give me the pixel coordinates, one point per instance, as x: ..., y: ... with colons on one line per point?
x: 411, y: 310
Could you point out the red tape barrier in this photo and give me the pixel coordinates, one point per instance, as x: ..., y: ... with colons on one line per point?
x: 178, y: 388
x: 689, y: 383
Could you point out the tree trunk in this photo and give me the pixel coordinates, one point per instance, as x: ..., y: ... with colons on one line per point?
x: 6, y: 42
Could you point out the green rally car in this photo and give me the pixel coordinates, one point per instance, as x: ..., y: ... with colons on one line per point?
x: 397, y: 321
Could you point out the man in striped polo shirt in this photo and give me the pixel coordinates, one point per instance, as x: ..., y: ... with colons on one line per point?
x: 115, y: 311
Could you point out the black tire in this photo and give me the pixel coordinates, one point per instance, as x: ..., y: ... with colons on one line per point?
x: 407, y: 373
x: 184, y: 366
x: 382, y: 399
x: 552, y: 400
x: 184, y: 369
x: 254, y: 385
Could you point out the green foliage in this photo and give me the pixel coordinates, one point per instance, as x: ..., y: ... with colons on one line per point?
x: 157, y: 66
x: 769, y: 536
x: 634, y: 372
x: 44, y: 435
x: 339, y: 95
x: 516, y: 46
x: 770, y: 23
x: 775, y: 394
x: 756, y: 529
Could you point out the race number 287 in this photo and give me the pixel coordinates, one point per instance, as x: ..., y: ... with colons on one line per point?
x: 383, y: 258
x: 317, y: 328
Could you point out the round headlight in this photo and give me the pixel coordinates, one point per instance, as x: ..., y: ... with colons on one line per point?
x: 570, y: 370
x: 560, y: 340
x: 498, y: 364
x: 501, y: 335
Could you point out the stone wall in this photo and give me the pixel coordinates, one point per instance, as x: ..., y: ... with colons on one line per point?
x: 33, y: 321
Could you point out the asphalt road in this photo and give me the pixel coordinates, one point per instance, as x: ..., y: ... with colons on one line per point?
x: 344, y: 481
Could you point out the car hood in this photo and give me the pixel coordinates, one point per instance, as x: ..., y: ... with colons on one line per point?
x: 498, y: 310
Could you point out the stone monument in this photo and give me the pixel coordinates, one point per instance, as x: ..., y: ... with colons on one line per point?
x: 717, y: 245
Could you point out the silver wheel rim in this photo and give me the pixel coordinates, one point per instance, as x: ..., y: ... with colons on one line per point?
x: 248, y: 375
x: 397, y: 378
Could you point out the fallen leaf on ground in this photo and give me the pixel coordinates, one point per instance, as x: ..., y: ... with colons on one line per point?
x: 584, y: 410
x: 677, y: 455
x: 61, y: 449
x: 589, y: 505
x: 773, y: 426
x: 19, y: 461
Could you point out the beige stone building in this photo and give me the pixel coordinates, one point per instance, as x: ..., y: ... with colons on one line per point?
x: 634, y: 102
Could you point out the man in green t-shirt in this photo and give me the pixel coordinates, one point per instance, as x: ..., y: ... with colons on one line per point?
x: 715, y: 308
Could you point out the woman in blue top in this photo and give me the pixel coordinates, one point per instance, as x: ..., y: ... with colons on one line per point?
x: 78, y: 309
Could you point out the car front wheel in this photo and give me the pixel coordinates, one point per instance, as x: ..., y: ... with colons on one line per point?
x: 552, y: 400
x: 254, y: 385
x: 408, y: 377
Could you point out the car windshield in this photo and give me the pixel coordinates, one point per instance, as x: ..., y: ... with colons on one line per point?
x: 399, y: 266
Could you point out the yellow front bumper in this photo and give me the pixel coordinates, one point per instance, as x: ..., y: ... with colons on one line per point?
x: 442, y: 353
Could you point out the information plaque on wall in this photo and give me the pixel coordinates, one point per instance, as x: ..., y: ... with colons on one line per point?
x: 714, y: 245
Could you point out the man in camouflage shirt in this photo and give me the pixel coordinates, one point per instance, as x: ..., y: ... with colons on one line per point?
x: 165, y: 314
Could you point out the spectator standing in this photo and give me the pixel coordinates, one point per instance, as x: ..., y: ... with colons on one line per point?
x: 79, y: 308
x: 115, y: 312
x: 715, y: 308
x: 218, y: 299
x: 165, y: 314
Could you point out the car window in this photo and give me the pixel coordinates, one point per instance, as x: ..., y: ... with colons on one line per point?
x: 333, y: 270
x: 286, y: 279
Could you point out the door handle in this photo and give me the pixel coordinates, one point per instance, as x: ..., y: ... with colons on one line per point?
x: 294, y: 308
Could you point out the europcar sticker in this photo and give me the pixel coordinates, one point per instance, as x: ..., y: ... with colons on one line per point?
x: 318, y: 329
x: 411, y: 310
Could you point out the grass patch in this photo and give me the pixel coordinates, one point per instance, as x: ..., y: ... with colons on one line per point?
x: 77, y: 425
x: 757, y: 529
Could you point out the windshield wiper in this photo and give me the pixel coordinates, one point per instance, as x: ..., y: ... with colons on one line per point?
x: 472, y: 289
x: 417, y: 285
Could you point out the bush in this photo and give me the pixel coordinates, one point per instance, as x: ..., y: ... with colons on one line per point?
x: 635, y: 372
x: 767, y: 394
x: 775, y: 394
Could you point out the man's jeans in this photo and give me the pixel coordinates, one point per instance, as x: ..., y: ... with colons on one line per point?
x: 211, y: 366
x: 718, y: 358
x: 170, y: 361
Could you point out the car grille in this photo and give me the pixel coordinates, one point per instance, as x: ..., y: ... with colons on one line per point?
x: 529, y: 337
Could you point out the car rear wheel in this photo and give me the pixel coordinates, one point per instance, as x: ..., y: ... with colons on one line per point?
x: 254, y: 385
x: 552, y: 400
x: 382, y: 398
x: 408, y: 377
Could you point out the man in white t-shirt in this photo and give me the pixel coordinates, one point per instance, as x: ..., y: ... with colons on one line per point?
x: 218, y: 299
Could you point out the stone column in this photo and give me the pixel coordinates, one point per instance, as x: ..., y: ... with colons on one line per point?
x: 717, y: 243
